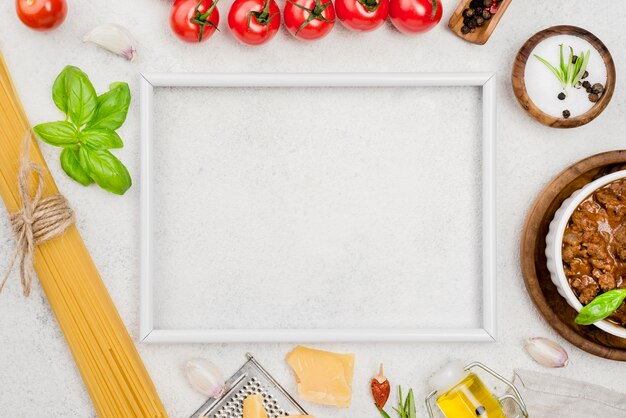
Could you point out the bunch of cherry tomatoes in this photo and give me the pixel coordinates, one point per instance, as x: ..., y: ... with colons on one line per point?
x: 255, y: 22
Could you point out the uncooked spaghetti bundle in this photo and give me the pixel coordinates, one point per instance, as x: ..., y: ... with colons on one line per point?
x: 47, y: 239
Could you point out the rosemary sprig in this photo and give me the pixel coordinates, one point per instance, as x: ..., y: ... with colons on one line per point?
x: 568, y: 73
x: 406, y: 407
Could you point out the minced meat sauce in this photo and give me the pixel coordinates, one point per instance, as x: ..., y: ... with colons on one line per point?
x: 594, y: 245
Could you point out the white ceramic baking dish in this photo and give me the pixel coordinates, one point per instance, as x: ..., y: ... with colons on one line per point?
x: 554, y: 242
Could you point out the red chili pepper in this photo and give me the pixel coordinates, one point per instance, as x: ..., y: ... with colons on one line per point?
x: 380, y: 389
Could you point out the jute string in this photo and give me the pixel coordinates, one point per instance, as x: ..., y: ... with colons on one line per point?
x: 38, y: 219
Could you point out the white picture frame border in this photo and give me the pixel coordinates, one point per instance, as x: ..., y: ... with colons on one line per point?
x: 485, y: 81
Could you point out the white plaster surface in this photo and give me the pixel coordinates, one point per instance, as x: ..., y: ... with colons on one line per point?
x: 305, y: 208
x: 37, y: 373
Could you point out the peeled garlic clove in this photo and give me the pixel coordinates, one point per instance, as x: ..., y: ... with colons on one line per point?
x: 546, y: 352
x: 205, y: 377
x: 114, y: 38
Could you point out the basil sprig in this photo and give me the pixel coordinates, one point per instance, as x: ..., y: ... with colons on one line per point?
x: 88, y: 131
x: 601, y: 307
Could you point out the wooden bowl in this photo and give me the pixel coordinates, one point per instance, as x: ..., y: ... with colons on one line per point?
x: 482, y: 34
x: 551, y: 305
x: 519, y: 82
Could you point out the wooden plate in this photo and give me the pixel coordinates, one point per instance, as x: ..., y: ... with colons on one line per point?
x: 481, y: 35
x: 542, y: 291
x: 519, y: 82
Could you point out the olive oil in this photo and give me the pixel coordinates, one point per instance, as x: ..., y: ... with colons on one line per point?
x: 470, y: 398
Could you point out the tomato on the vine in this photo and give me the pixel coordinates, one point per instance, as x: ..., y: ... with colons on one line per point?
x: 362, y: 15
x: 254, y: 22
x: 193, y: 20
x: 415, y: 16
x: 309, y: 19
x: 41, y: 14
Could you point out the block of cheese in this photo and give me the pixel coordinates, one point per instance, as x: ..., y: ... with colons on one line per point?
x: 253, y: 407
x: 323, y: 377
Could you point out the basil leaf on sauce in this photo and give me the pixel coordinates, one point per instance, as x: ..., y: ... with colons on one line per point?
x: 601, y: 307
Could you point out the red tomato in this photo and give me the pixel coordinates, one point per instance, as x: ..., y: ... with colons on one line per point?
x: 254, y: 22
x: 309, y: 19
x: 415, y: 16
x: 362, y: 15
x: 193, y: 20
x: 41, y: 14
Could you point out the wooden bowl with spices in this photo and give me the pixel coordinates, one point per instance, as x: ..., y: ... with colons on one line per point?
x: 564, y: 76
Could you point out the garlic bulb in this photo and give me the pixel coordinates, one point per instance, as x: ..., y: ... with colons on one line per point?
x: 205, y: 377
x: 546, y: 352
x: 114, y: 38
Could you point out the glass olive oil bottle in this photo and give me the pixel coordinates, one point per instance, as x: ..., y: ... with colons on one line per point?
x: 460, y: 393
x: 470, y: 398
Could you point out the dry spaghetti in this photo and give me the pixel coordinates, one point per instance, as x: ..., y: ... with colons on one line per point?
x: 107, y: 359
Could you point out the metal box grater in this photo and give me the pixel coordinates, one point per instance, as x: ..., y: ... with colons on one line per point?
x: 250, y: 379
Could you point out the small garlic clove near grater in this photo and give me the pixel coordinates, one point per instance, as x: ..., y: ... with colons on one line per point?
x: 250, y: 379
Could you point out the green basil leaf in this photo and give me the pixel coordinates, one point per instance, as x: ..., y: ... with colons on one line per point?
x: 601, y: 307
x: 82, y: 100
x: 59, y: 90
x: 112, y: 107
x: 105, y: 169
x: 59, y: 134
x: 101, y: 138
x: 71, y: 165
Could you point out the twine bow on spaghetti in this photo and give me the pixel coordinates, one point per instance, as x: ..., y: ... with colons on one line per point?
x: 38, y: 219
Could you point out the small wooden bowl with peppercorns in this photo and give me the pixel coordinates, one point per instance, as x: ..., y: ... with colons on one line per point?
x: 564, y: 77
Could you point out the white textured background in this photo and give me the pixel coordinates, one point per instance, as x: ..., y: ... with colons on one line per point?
x: 37, y: 373
x: 309, y: 207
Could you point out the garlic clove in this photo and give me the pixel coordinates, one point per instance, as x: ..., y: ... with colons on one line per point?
x: 114, y: 38
x: 546, y: 352
x: 205, y: 377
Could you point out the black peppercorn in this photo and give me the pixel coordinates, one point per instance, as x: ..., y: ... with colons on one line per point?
x: 585, y: 75
x: 561, y: 96
x: 586, y: 84
x: 486, y: 14
x: 594, y: 97
x: 578, y: 85
x: 566, y: 114
x: 468, y: 13
x: 472, y: 24
x: 574, y: 58
x: 589, y: 90
x: 475, y: 3
x: 597, y: 88
x: 486, y: 3
x: 465, y: 30
x: 480, y: 21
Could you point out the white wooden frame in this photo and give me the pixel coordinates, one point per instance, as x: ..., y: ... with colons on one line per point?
x: 487, y: 81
